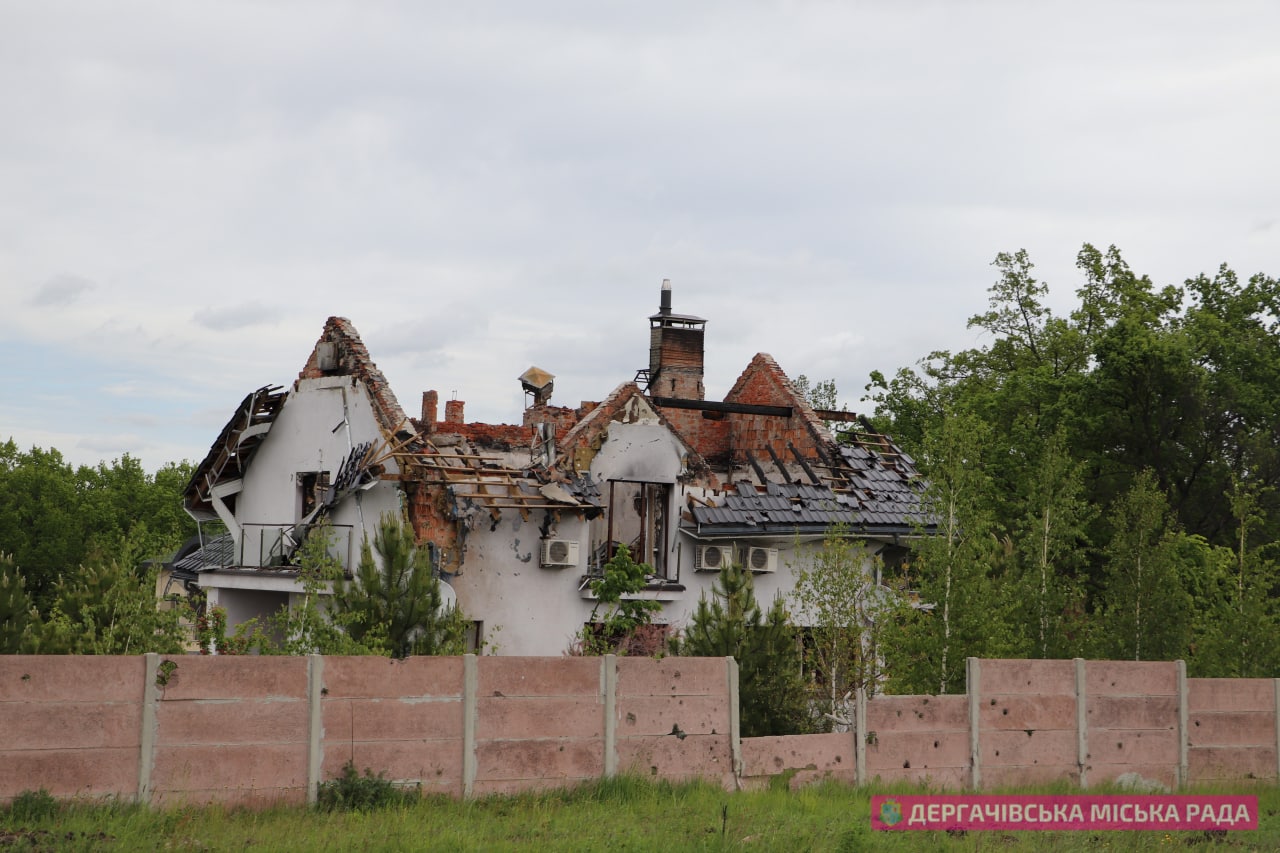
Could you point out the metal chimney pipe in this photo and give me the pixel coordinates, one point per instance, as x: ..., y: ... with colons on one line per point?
x: 664, y: 307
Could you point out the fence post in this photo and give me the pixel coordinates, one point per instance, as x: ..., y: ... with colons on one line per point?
x: 609, y: 666
x: 860, y: 736
x: 974, y: 687
x: 147, y: 742
x: 1082, y: 724
x: 315, y: 722
x: 735, y: 720
x: 1277, y: 721
x: 470, y: 678
x: 1183, y: 734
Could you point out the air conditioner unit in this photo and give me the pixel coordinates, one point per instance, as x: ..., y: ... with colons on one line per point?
x: 712, y: 558
x: 762, y: 559
x: 559, y: 553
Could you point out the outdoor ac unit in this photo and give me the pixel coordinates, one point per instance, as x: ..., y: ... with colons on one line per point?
x: 559, y: 553
x: 711, y: 558
x: 762, y: 559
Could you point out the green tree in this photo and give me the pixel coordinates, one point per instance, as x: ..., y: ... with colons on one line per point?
x: 771, y: 693
x: 311, y: 624
x: 1050, y: 539
x: 397, y: 605
x: 624, y: 616
x: 108, y: 608
x: 846, y: 612
x: 1145, y: 603
x: 1238, y: 636
x: 16, y: 611
x: 964, y: 608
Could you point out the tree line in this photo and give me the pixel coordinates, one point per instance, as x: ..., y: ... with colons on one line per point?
x: 1101, y: 484
x: 1104, y: 483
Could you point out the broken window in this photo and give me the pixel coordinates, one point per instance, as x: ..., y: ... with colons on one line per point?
x: 312, y: 491
x: 637, y: 516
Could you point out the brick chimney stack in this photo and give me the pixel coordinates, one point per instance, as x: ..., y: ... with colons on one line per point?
x: 453, y: 412
x: 675, y: 351
x: 430, y: 410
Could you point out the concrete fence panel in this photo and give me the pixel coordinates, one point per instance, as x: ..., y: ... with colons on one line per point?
x: 1232, y: 730
x: 70, y: 724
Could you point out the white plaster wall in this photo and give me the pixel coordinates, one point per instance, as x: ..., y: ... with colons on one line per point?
x: 638, y: 451
x: 526, y: 609
x: 303, y: 438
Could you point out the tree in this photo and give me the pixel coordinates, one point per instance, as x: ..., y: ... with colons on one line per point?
x: 1049, y: 540
x: 1145, y: 605
x: 624, y: 618
x: 964, y: 606
x: 16, y: 612
x: 1238, y: 635
x: 847, y: 612
x: 307, y: 626
x: 106, y: 608
x: 398, y: 605
x: 771, y: 694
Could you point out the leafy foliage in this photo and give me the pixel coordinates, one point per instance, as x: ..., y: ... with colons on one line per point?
x: 353, y: 792
x: 625, y: 619
x: 396, y: 608
x: 1115, y: 444
x: 54, y: 517
x: 848, y: 613
x: 32, y: 807
x: 108, y: 608
x: 16, y: 611
x: 771, y: 691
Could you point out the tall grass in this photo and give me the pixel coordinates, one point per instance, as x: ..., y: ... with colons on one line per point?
x: 626, y: 813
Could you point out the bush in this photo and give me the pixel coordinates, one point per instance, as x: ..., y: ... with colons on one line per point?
x: 32, y: 806
x: 351, y: 792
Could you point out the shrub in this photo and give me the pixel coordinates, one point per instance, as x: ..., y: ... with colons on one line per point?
x: 31, y: 806
x: 353, y: 792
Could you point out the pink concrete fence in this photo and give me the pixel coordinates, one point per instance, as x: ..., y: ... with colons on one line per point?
x: 270, y: 729
x: 1025, y: 722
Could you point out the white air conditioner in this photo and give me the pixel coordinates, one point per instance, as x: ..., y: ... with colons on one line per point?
x: 762, y: 559
x: 712, y: 558
x: 559, y: 553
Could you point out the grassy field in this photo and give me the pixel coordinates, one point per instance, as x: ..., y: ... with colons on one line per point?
x: 619, y: 814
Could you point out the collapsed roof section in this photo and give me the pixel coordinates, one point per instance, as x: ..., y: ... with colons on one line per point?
x: 762, y: 462
x: 230, y: 455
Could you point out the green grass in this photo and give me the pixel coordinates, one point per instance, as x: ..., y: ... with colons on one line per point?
x: 618, y: 814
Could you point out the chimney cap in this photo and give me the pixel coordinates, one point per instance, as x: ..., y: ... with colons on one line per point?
x: 666, y: 317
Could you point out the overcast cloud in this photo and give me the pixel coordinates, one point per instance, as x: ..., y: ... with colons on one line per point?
x: 187, y: 191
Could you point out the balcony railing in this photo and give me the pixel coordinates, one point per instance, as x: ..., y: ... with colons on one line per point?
x: 277, y: 545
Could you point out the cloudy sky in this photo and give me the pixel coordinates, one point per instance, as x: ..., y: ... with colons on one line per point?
x: 187, y: 190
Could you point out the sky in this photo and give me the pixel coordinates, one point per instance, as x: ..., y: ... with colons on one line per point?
x: 188, y: 190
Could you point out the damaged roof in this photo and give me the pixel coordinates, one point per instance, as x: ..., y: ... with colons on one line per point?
x: 869, y: 487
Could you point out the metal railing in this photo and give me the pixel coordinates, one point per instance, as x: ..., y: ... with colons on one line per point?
x: 277, y: 545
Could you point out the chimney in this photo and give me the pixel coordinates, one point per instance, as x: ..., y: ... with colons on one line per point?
x: 453, y: 412
x: 430, y: 410
x: 675, y: 351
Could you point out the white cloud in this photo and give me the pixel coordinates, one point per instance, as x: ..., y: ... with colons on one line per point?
x: 481, y: 187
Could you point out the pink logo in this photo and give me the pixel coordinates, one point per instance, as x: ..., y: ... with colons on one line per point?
x: 1065, y: 812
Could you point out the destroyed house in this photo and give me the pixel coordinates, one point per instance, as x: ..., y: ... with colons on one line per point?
x: 519, y: 518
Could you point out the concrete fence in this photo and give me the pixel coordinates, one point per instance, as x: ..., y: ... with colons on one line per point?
x: 270, y: 729
x: 256, y: 730
x: 1027, y: 722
